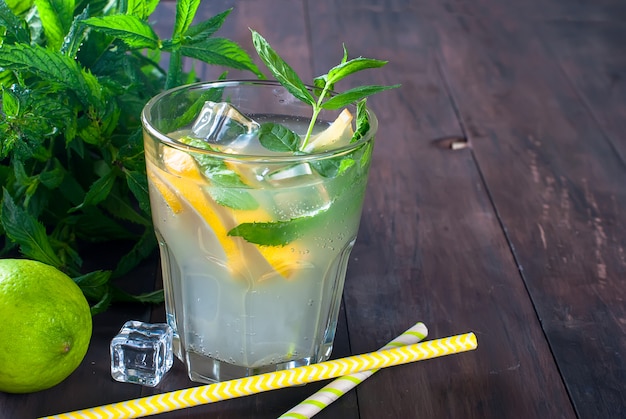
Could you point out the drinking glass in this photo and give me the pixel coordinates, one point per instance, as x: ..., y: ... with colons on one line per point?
x: 254, y: 242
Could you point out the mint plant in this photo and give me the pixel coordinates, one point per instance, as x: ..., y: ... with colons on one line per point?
x: 75, y: 75
x: 276, y: 137
x: 321, y: 97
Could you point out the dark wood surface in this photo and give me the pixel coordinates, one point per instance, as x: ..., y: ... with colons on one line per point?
x: 517, y: 233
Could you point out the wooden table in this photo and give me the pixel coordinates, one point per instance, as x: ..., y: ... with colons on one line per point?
x: 496, y: 204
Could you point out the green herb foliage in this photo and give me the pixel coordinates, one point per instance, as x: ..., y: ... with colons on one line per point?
x: 75, y: 75
x: 324, y: 84
x: 225, y: 186
x: 276, y: 233
x: 278, y: 138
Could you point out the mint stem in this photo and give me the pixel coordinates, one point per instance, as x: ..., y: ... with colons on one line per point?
x: 317, y: 108
x: 175, y: 69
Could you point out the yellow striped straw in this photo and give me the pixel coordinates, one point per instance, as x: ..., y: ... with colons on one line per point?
x: 210, y: 393
x: 314, y: 404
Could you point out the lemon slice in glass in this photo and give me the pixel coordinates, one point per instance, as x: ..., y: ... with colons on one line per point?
x: 181, y: 186
x: 340, y: 131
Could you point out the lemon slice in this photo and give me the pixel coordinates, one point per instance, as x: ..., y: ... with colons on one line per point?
x: 339, y: 131
x: 166, y: 192
x: 183, y: 183
x: 180, y: 185
x: 285, y: 260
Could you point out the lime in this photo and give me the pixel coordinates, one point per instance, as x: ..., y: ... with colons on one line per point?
x: 46, y: 326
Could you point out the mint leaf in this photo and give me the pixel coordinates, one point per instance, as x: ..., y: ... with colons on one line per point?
x: 277, y: 137
x: 349, y: 67
x: 52, y: 67
x: 218, y: 173
x: 56, y: 17
x: 102, y: 304
x: 185, y: 12
x: 53, y: 176
x: 152, y: 297
x: 227, y: 187
x: 345, y: 69
x: 94, y: 225
x: 191, y: 111
x: 94, y: 284
x: 75, y: 35
x: 207, y: 28
x: 281, y: 70
x: 19, y: 6
x: 98, y: 191
x: 27, y: 232
x: 194, y: 41
x: 138, y: 185
x: 233, y: 198
x: 10, y: 103
x: 220, y: 51
x: 353, y: 95
x: 332, y: 167
x: 142, y: 249
x: 133, y: 31
x: 362, y: 121
x: 367, y: 154
x: 141, y: 8
x: 16, y: 28
x: 276, y: 233
x: 123, y: 209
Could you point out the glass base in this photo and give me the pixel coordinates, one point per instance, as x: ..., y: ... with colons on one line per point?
x: 203, y: 369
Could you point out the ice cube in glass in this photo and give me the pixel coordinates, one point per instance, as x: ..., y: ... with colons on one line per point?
x: 221, y: 123
x: 298, y: 202
x: 141, y: 353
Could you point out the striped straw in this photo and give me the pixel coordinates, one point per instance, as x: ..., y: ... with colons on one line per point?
x: 312, y: 405
x: 210, y: 393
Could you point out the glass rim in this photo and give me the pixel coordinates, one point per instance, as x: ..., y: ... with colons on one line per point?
x: 320, y: 155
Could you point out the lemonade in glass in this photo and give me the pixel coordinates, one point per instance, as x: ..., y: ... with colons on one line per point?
x: 254, y: 241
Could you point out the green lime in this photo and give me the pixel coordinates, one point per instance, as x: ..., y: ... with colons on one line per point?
x: 46, y: 326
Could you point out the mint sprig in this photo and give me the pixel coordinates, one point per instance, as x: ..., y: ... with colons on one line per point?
x: 74, y: 77
x: 279, y: 138
x: 321, y: 98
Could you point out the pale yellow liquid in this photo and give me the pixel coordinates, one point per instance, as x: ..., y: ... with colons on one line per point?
x: 258, y: 313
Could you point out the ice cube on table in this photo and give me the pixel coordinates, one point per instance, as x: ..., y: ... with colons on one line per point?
x: 141, y: 353
x: 221, y: 123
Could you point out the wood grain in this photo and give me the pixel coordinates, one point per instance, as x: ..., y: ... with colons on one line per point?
x: 516, y: 233
x: 556, y: 180
x: 431, y: 247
